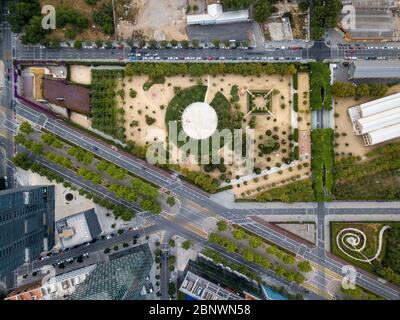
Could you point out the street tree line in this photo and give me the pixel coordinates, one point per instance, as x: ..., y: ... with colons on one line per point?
x: 140, y: 192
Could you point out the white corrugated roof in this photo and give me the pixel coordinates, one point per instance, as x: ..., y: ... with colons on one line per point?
x: 376, y: 69
x: 216, y: 15
x: 380, y: 105
x: 379, y: 120
x: 384, y: 134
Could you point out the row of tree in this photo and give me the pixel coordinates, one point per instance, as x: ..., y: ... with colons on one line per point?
x: 296, y: 191
x: 106, y: 117
x: 381, y: 159
x: 324, y: 15
x: 347, y: 89
x: 256, y: 258
x: 154, y: 70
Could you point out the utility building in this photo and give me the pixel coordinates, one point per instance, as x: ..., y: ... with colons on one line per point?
x: 216, y: 15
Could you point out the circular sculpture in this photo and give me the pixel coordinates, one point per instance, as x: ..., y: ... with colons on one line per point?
x: 352, y: 240
x: 199, y: 120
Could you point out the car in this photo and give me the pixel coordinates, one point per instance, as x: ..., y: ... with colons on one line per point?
x: 95, y: 148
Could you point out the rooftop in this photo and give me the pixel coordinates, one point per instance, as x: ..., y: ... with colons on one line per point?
x: 375, y: 69
x: 216, y: 15
x: 79, y: 228
x: 121, y: 278
x: 65, y: 94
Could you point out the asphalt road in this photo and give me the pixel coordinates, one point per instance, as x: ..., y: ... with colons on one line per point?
x: 164, y: 272
x: 168, y: 181
x: 319, y: 52
x: 159, y: 222
x: 99, y: 245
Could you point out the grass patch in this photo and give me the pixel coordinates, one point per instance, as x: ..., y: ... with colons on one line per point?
x: 295, y: 191
x: 322, y: 163
x: 152, y: 81
x: 320, y: 87
x: 371, y: 229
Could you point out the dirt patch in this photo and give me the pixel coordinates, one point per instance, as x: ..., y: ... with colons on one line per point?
x: 81, y: 74
x: 153, y: 19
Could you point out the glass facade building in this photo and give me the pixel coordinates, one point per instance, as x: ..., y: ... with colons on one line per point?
x: 120, y: 278
x: 26, y: 225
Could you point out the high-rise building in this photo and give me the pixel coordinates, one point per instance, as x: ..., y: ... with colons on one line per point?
x: 26, y: 225
x: 122, y: 277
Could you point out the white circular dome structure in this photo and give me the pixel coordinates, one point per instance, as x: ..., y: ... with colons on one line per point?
x: 199, y: 120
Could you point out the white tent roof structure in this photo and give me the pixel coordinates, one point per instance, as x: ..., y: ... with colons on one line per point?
x: 377, y: 121
x: 380, y: 105
x: 216, y: 15
x: 384, y: 134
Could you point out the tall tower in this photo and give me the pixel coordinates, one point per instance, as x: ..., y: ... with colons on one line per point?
x: 26, y: 225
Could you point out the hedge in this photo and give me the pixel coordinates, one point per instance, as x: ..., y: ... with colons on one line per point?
x: 296, y: 102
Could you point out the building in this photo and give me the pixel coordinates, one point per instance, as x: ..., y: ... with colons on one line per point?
x: 377, y: 121
x: 376, y: 69
x: 120, y: 278
x: 377, y: 4
x: 204, y: 280
x: 26, y: 225
x: 66, y: 94
x: 57, y: 288
x: 78, y: 228
x: 216, y: 15
x: 375, y: 19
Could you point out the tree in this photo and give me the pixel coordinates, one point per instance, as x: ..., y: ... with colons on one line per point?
x: 288, y: 259
x: 171, y: 201
x: 171, y: 288
x: 303, y: 6
x: 343, y: 89
x: 78, y: 44
x: 174, y: 43
x: 222, y: 226
x: 185, y: 44
x: 37, y: 148
x: 104, y: 17
x: 304, y: 266
x: 255, y: 242
x: 19, y: 138
x: 171, y: 260
x: 262, y: 11
x: 195, y: 43
x: 108, y: 44
x: 21, y: 13
x: 152, y: 44
x: 216, y: 43
x: 132, y: 93
x: 171, y: 243
x: 186, y: 244
x: 239, y: 234
x: 25, y: 128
